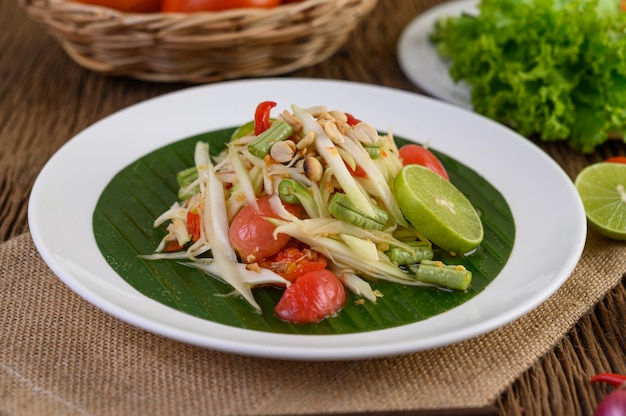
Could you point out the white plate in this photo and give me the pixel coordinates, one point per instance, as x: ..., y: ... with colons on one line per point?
x: 550, y: 221
x: 420, y: 61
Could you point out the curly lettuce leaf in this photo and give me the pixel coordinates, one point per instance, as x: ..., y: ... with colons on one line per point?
x: 551, y: 68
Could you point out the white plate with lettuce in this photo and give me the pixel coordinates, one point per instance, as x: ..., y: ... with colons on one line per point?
x: 551, y: 69
x: 420, y: 61
x: 550, y: 225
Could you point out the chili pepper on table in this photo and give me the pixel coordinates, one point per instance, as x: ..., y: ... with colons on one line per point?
x: 614, y: 404
x: 616, y: 380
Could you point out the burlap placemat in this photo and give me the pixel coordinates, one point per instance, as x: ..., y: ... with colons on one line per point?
x: 61, y: 355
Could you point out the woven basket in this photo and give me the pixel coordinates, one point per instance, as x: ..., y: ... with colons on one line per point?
x: 199, y: 47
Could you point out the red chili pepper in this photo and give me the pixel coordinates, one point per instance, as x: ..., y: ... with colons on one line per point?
x: 616, y: 159
x: 352, y: 121
x: 358, y: 171
x: 616, y: 380
x: 262, y: 116
x: 193, y: 225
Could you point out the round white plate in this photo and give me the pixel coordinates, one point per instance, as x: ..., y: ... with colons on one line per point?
x: 549, y: 218
x: 420, y: 61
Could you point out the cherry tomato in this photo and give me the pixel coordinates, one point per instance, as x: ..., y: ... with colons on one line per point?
x: 292, y: 262
x: 617, y: 159
x: 419, y: 155
x: 132, y: 6
x: 214, y: 5
x: 172, y: 246
x: 313, y: 297
x: 252, y: 235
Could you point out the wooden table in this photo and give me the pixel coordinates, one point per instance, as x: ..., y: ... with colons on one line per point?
x: 45, y: 99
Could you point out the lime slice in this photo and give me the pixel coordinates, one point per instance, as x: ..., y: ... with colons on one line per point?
x: 437, y: 209
x: 601, y: 187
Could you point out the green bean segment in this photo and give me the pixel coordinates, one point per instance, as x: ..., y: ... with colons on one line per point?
x: 454, y: 277
x: 422, y: 250
x: 288, y: 190
x: 373, y: 150
x: 261, y: 145
x: 185, y: 178
x: 342, y: 208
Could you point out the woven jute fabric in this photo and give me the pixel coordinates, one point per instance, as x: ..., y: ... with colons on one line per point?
x: 61, y: 355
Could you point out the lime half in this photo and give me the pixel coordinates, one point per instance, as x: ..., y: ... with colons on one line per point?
x: 602, y: 189
x: 437, y: 209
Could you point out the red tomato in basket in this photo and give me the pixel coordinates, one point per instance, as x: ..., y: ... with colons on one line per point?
x: 130, y: 6
x: 419, y: 155
x: 252, y: 235
x: 313, y: 297
x: 214, y: 5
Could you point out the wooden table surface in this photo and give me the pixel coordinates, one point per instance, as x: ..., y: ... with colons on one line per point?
x: 45, y: 99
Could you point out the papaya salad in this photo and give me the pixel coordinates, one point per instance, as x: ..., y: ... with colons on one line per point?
x: 303, y: 201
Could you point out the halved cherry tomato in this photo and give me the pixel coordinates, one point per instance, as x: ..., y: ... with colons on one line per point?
x: 616, y: 159
x: 214, y: 5
x: 262, y: 120
x: 419, y: 155
x: 313, y: 297
x: 131, y: 6
x: 172, y: 246
x: 252, y: 235
x: 292, y: 262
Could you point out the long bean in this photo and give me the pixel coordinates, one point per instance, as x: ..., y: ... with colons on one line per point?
x: 293, y: 192
x: 185, y: 178
x: 261, y: 145
x: 421, y: 250
x: 455, y: 277
x: 342, y: 207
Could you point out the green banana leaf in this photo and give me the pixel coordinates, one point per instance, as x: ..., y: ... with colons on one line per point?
x: 126, y: 209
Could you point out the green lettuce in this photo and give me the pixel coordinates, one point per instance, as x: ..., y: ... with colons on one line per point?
x: 552, y: 69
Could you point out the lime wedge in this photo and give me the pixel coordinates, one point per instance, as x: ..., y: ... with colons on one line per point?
x: 437, y: 209
x: 601, y: 187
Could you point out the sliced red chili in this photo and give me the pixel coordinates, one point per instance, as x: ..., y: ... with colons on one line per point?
x: 357, y: 171
x: 193, y: 225
x: 262, y: 116
x: 352, y: 121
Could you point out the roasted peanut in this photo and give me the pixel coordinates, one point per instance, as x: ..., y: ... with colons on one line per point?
x: 313, y: 169
x: 283, y: 151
